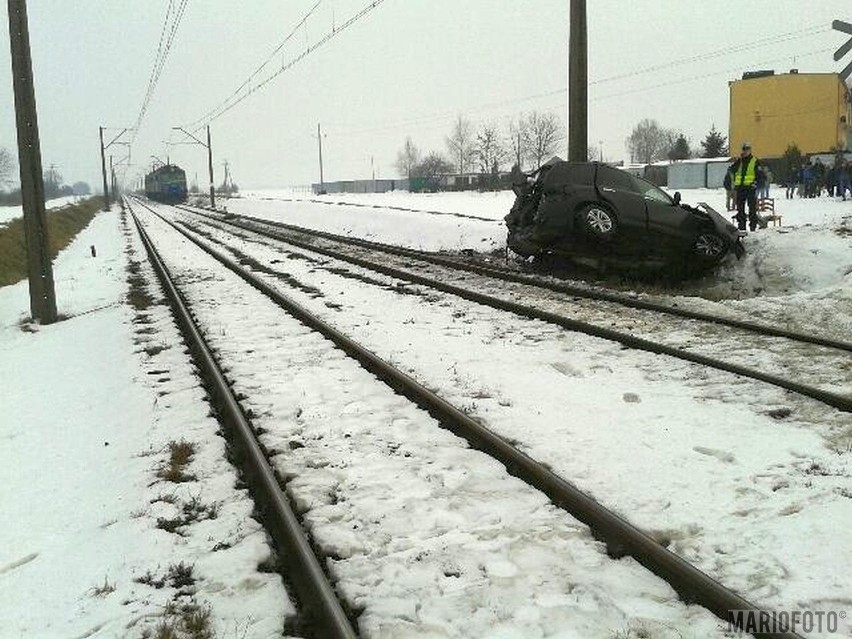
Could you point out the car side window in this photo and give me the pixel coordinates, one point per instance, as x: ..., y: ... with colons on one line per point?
x: 652, y: 192
x: 611, y: 178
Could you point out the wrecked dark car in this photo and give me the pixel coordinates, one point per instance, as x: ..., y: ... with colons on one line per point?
x: 595, y: 214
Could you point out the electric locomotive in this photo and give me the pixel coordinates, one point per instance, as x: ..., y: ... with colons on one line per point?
x: 166, y: 184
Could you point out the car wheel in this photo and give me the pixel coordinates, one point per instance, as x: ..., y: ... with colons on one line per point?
x: 710, y: 246
x: 598, y: 221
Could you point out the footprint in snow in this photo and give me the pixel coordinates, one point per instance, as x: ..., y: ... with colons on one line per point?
x: 18, y: 563
x: 721, y: 455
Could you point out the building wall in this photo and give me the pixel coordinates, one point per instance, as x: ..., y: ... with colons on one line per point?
x: 697, y: 174
x: 362, y: 186
x: 772, y: 112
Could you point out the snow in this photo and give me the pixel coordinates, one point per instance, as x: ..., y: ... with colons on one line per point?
x: 9, y: 213
x: 760, y: 504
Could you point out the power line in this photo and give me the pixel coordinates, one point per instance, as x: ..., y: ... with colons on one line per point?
x: 230, y: 104
x: 167, y: 37
x: 259, y: 69
x: 756, y: 44
x: 699, y: 77
x: 442, y: 116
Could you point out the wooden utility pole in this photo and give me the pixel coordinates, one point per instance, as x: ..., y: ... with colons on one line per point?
x: 578, y: 85
x: 39, y: 268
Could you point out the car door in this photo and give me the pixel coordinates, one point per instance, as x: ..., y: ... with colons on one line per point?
x: 670, y: 227
x: 619, y: 189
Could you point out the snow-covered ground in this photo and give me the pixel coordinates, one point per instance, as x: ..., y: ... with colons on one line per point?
x: 9, y: 213
x: 123, y: 392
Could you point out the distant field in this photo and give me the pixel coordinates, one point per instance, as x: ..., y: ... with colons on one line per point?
x: 62, y: 225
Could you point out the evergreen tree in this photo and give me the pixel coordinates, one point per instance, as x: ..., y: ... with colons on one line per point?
x: 793, y: 162
x: 680, y: 149
x: 715, y: 145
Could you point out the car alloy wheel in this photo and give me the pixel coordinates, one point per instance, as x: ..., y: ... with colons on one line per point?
x: 599, y: 221
x: 709, y: 245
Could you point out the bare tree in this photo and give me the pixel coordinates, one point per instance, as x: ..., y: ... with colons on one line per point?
x: 517, y: 133
x: 649, y: 142
x: 432, y: 167
x: 7, y: 167
x: 490, y: 151
x: 542, y: 135
x: 461, y: 143
x: 407, y: 158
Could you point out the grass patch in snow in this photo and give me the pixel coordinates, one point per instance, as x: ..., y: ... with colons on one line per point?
x: 192, y: 511
x: 180, y: 455
x: 138, y: 296
x: 62, y: 227
x: 177, y: 576
x: 186, y: 621
x: 103, y: 590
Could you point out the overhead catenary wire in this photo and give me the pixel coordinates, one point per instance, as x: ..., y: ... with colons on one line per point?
x: 237, y: 98
x: 171, y: 23
x: 426, y: 119
x: 429, y: 119
x: 260, y: 68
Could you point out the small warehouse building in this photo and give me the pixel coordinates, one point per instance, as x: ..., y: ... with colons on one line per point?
x: 809, y: 110
x: 698, y: 173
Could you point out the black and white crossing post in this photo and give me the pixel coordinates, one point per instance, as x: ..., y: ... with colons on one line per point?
x: 39, y: 268
x: 843, y: 27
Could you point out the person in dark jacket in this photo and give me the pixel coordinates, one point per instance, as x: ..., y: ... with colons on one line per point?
x: 746, y: 173
x: 844, y: 177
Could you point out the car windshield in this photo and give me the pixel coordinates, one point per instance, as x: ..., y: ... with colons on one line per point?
x: 652, y: 192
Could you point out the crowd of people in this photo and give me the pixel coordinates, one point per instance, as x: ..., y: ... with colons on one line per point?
x: 747, y: 180
x: 815, y: 178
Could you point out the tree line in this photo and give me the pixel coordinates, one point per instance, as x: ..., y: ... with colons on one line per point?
x: 487, y: 150
x: 484, y: 149
x: 54, y: 186
x: 649, y: 142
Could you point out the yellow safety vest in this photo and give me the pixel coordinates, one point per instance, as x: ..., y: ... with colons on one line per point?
x: 746, y: 177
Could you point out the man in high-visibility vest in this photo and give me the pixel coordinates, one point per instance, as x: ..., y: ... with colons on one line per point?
x: 746, y: 174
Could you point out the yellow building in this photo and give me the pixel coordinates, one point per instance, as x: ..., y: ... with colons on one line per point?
x: 811, y: 110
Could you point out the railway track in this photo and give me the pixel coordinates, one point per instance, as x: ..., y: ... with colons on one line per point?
x: 742, y: 347
x: 620, y: 537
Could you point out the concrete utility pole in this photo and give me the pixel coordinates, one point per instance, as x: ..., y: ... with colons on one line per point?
x: 319, y: 139
x: 578, y: 85
x: 210, y: 169
x: 103, y: 170
x: 104, y: 147
x: 39, y: 267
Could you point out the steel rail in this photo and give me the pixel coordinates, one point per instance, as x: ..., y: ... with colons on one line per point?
x: 620, y: 536
x: 835, y: 400
x: 320, y: 604
x: 529, y: 280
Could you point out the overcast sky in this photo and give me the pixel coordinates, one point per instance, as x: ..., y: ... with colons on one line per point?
x: 406, y: 68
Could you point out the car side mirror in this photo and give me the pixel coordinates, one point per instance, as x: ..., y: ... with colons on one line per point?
x: 677, y: 197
